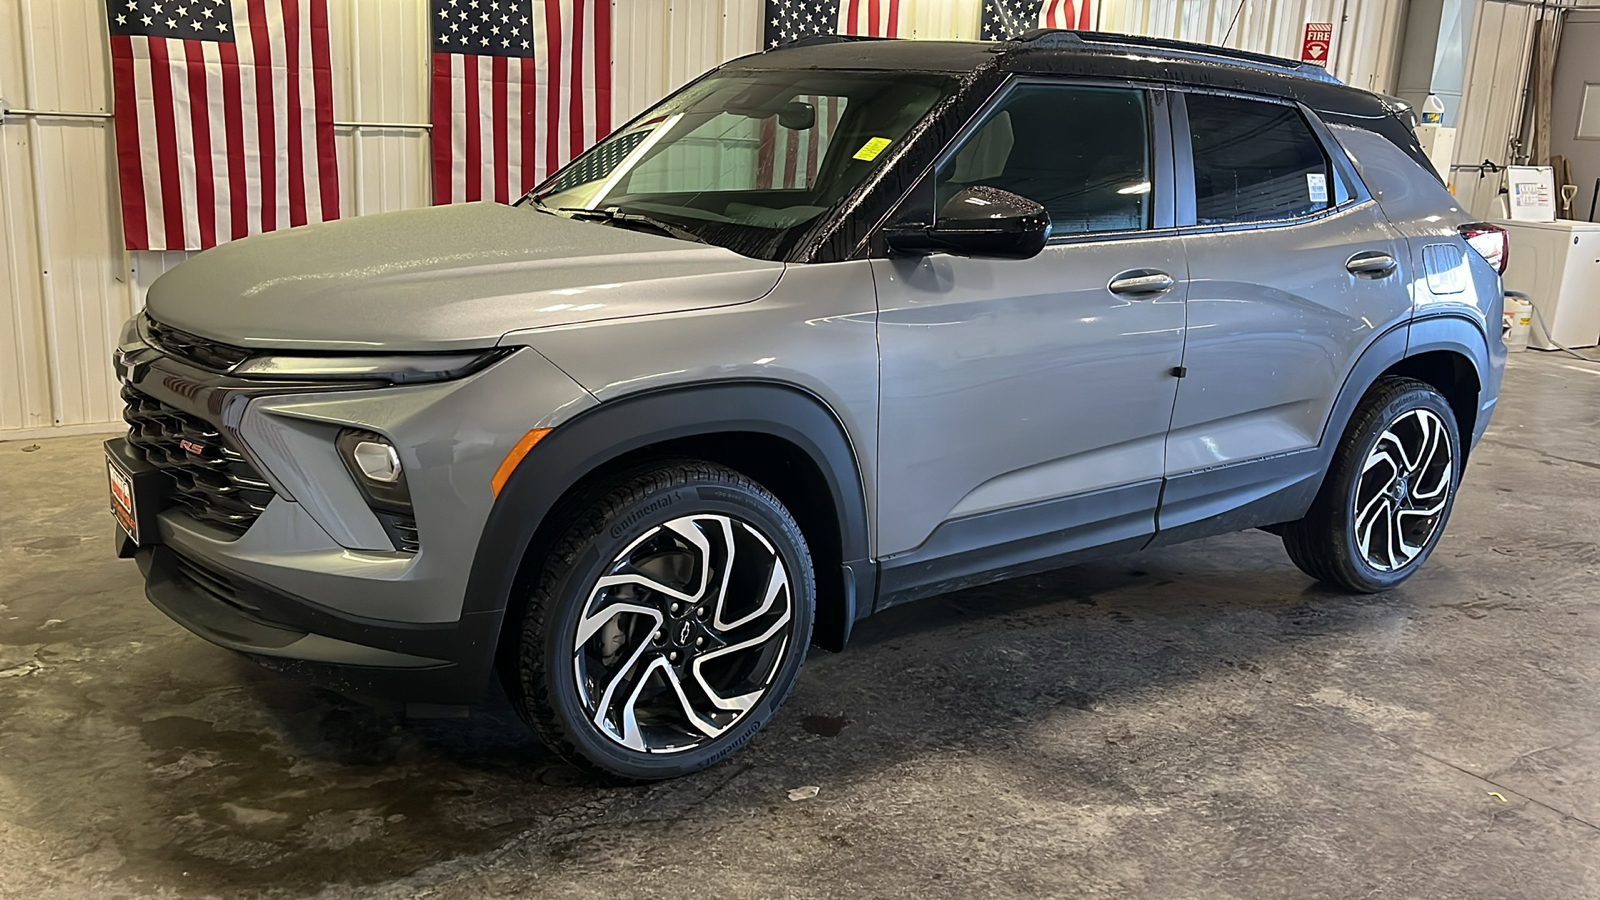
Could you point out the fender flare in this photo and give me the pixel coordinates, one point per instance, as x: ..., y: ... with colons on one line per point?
x: 1453, y: 332
x: 1467, y: 337
x: 1447, y: 331
x: 606, y: 432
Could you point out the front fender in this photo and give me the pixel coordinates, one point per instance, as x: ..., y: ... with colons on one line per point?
x: 608, y: 432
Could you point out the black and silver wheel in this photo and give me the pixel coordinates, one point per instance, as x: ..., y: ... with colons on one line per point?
x: 669, y: 624
x: 1386, y: 498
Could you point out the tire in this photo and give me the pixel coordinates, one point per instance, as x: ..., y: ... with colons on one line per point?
x: 1387, y: 494
x: 635, y: 603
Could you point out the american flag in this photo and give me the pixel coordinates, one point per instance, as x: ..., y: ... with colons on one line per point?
x: 519, y: 88
x: 1005, y: 19
x: 789, y: 159
x: 789, y: 20
x: 224, y: 118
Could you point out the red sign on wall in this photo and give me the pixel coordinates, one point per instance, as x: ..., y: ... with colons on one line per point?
x: 1314, y: 49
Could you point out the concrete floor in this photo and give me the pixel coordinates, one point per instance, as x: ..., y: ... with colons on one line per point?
x: 1201, y: 721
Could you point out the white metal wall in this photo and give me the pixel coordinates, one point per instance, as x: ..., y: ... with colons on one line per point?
x: 1491, y: 105
x: 66, y: 285
x: 1366, y: 33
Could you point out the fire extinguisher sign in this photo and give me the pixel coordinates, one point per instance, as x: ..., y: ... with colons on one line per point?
x: 1314, y: 49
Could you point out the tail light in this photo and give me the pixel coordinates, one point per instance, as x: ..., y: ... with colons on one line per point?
x: 1491, y: 241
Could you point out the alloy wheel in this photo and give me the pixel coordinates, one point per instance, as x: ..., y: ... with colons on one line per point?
x: 684, y: 633
x: 1404, y: 487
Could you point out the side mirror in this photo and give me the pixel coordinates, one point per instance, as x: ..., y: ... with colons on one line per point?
x: 797, y: 115
x: 978, y: 221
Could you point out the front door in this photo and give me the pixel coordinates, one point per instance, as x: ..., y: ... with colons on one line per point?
x: 1025, y: 404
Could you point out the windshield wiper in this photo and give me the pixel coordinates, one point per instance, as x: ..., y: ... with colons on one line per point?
x: 615, y: 215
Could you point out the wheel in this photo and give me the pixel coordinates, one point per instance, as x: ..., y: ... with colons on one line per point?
x: 1388, y: 493
x: 668, y: 625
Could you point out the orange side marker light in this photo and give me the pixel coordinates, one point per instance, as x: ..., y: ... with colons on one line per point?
x: 514, y: 458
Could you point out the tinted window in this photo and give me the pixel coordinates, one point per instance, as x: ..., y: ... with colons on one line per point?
x: 1254, y: 161
x: 735, y: 152
x: 1082, y: 152
x: 748, y: 160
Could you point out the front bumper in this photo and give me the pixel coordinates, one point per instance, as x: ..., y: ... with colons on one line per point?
x: 314, y: 583
x: 446, y: 664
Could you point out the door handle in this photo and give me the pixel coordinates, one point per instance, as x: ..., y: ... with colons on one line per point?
x: 1141, y: 281
x: 1371, y: 264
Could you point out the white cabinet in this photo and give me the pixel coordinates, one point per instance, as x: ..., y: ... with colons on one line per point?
x: 1557, y: 264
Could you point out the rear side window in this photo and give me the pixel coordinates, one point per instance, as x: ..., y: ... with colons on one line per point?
x: 1082, y: 152
x: 1254, y: 161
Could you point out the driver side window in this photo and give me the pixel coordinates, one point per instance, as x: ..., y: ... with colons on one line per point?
x: 1083, y: 152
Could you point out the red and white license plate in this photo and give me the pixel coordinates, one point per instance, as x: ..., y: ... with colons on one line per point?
x: 122, y: 503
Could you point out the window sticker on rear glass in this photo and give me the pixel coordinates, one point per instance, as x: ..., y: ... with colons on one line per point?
x: 870, y: 150
x: 1317, y: 186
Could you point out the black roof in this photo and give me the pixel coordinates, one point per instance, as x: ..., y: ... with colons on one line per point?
x: 1084, y: 53
x: 977, y: 70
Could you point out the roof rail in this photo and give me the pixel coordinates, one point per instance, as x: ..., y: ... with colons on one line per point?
x: 820, y: 38
x: 1055, y: 37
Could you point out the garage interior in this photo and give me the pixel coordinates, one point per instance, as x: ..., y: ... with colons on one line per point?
x: 1200, y: 720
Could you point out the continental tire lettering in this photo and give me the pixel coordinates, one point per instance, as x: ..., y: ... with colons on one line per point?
x: 633, y: 518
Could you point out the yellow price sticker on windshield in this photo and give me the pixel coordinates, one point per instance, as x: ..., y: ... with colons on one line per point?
x: 870, y: 150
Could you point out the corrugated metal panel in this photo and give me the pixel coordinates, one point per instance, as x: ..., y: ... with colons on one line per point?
x: 24, y: 366
x: 1365, y: 32
x: 943, y: 20
x: 1492, y: 106
x: 67, y: 283
x: 148, y: 265
x: 660, y: 45
x: 380, y: 74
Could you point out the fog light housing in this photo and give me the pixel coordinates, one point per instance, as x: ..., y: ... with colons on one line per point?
x: 377, y: 460
x: 375, y: 465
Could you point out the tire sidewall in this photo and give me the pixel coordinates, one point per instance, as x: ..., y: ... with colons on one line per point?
x: 1419, y: 396
x: 573, y: 588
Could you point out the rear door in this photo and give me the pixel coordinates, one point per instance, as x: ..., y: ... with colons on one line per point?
x: 1293, y: 271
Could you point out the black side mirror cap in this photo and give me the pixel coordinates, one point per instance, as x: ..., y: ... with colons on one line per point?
x: 978, y: 221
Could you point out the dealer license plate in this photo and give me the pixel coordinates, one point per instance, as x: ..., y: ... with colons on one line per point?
x: 123, y: 506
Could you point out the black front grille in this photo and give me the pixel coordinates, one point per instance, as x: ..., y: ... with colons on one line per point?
x: 204, y: 352
x: 211, y: 479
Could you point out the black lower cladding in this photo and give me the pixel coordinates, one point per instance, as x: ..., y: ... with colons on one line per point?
x: 446, y: 663
x: 211, y: 479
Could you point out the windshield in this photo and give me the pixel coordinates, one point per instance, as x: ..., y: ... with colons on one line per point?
x: 747, y: 160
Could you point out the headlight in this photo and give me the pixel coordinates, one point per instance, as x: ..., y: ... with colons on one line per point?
x: 409, y: 368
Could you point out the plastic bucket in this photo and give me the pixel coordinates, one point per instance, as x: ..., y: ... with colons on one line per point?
x: 1518, y: 315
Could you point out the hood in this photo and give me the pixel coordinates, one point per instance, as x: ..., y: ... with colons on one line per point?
x: 442, y: 278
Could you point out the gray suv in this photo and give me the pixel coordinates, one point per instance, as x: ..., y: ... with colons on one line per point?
x: 834, y: 327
